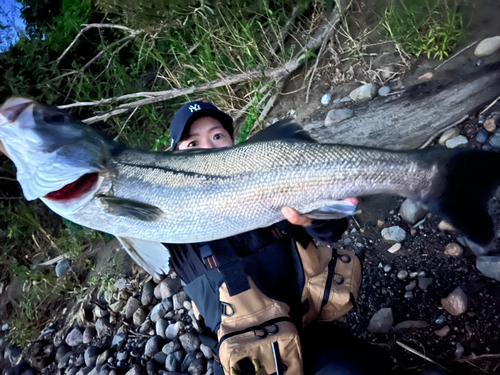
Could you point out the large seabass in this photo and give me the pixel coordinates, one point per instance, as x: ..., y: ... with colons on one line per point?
x: 195, y: 196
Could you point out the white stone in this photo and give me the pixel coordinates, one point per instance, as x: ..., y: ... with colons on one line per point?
x: 487, y: 46
x: 448, y: 134
x: 325, y: 99
x: 394, y: 248
x: 364, y: 93
x: 461, y: 140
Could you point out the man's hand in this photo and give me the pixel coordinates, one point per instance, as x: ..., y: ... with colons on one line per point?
x: 295, y: 218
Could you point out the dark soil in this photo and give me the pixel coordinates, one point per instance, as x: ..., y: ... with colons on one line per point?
x: 423, y: 251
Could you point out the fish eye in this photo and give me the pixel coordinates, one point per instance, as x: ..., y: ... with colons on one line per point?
x: 54, y: 116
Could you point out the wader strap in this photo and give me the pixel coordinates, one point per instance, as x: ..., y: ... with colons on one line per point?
x: 295, y: 231
x: 231, y: 266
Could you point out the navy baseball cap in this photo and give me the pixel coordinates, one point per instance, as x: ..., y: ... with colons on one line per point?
x: 191, y: 112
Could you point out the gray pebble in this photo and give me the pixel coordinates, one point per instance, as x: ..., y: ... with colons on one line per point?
x: 424, y: 282
x: 190, y: 342
x: 482, y: 136
x: 345, y: 99
x: 62, y: 268
x: 402, y: 275
x: 61, y: 352
x: 139, y: 317
x: 411, y: 285
x: 103, y: 357
x: 364, y: 93
x: 458, y: 141
x: 410, y: 324
x: 90, y: 355
x: 481, y: 119
x: 440, y: 320
x: 384, y: 90
x: 408, y: 295
x: 119, y: 340
x: 158, y: 312
x: 207, y: 352
x: 337, y: 101
x: 489, y: 266
x: 135, y: 370
x: 103, y: 327
x: 381, y: 321
x: 413, y: 274
x: 387, y: 268
x: 179, y: 299
x: 122, y: 356
x: 130, y: 308
x: 337, y: 115
x: 190, y: 357
x: 173, y: 330
x: 394, y: 233
x: 347, y: 241
x: 161, y: 326
x: 147, y: 296
x: 459, y: 350
x: 89, y: 334
x: 153, y: 346
x: 411, y: 211
x: 171, y: 363
x: 160, y: 357
x: 495, y: 140
x: 63, y: 362
x: 74, y: 338
x: 171, y: 347
x: 167, y: 288
x: 197, y: 367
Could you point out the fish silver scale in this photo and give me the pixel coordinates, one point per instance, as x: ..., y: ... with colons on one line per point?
x: 219, y: 193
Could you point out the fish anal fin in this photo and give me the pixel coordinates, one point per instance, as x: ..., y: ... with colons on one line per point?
x: 131, y: 209
x: 153, y: 256
x: 335, y: 210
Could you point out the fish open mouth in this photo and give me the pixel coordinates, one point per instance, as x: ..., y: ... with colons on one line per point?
x: 76, y: 189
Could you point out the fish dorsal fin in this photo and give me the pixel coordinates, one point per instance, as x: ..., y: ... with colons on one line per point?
x: 150, y: 255
x: 284, y: 130
x: 132, y: 209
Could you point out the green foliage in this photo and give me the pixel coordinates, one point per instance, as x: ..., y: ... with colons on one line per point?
x: 251, y: 119
x: 40, y: 289
x: 431, y: 28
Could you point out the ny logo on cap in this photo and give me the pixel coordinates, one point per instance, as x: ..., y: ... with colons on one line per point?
x: 194, y: 108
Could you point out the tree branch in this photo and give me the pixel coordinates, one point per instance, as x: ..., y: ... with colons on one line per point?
x: 94, y: 25
x: 277, y: 74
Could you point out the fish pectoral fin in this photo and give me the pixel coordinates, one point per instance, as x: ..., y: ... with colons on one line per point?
x: 131, y: 209
x: 284, y: 130
x: 337, y: 210
x: 153, y: 256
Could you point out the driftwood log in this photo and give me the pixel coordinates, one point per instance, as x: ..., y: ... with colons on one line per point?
x: 407, y: 120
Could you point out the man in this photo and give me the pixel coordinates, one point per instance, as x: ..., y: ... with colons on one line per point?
x: 265, y: 254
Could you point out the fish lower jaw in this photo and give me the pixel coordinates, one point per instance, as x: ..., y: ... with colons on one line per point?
x: 74, y: 196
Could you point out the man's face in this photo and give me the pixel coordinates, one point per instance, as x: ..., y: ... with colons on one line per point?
x: 206, y: 132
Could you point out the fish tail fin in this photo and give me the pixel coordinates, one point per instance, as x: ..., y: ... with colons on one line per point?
x: 468, y: 180
x: 153, y: 256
